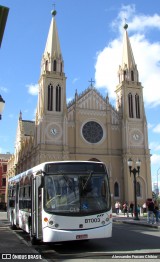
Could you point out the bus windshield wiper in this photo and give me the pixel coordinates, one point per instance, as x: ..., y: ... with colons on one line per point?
x: 86, y: 183
x: 69, y: 184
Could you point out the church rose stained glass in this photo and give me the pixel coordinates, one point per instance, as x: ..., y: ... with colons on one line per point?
x: 92, y: 132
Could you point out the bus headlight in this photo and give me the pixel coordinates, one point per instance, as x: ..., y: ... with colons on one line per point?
x: 51, y: 223
x: 107, y: 218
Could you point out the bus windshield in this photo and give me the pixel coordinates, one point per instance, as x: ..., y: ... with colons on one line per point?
x: 76, y: 193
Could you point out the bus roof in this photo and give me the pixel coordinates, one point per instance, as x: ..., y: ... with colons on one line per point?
x: 41, y: 167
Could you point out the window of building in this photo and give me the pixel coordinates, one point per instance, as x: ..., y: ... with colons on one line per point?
x: 50, y: 97
x: 54, y: 65
x: 116, y: 189
x: 137, y: 106
x: 132, y: 75
x: 58, y: 98
x: 46, y: 65
x: 124, y: 74
x: 130, y: 105
x: 61, y: 67
x: 4, y: 168
x: 3, y: 181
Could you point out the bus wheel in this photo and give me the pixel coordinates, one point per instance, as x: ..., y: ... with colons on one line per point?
x: 32, y: 238
x: 13, y: 226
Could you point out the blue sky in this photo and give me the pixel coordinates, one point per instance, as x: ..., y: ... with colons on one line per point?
x: 90, y: 34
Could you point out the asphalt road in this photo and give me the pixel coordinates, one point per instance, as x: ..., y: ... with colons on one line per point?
x: 127, y: 240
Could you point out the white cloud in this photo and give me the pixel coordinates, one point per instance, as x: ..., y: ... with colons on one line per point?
x: 156, y: 129
x: 137, y: 23
x: 155, y: 146
x: 155, y: 159
x: 4, y: 89
x: 33, y: 89
x: 143, y: 22
x: 150, y: 125
x: 146, y: 54
x: 75, y: 80
x: 69, y: 99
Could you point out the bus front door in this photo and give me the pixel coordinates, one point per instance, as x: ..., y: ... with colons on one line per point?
x: 17, y: 204
x: 36, y: 229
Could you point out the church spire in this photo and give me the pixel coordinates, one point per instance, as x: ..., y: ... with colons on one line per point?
x: 52, y: 60
x: 128, y: 69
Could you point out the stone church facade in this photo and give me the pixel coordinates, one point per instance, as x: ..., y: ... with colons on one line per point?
x: 89, y: 127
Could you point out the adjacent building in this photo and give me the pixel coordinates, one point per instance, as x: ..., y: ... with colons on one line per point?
x: 3, y: 171
x: 89, y: 127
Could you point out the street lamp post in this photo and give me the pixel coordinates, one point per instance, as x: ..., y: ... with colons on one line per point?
x: 134, y: 171
x: 2, y: 103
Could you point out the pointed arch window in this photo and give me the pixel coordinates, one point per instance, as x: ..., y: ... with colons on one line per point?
x: 132, y: 75
x: 130, y: 105
x: 58, y: 98
x: 50, y: 98
x: 61, y: 67
x: 46, y: 65
x: 124, y: 74
x: 54, y: 65
x: 116, y: 189
x: 137, y: 106
x: 138, y: 187
x: 119, y: 77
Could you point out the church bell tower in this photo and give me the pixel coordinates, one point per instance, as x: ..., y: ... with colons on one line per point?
x: 51, y: 114
x: 130, y: 104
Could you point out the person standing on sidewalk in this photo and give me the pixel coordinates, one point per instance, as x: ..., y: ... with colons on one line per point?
x: 144, y: 208
x: 156, y: 210
x: 126, y: 209
x: 117, y: 207
x: 150, y: 213
x: 131, y: 208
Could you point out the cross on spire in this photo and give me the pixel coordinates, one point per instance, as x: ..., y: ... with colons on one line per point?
x: 54, y: 5
x: 54, y: 12
x: 91, y: 81
x: 125, y: 24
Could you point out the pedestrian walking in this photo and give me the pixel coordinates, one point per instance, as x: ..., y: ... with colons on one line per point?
x: 117, y: 207
x: 138, y: 210
x: 144, y: 208
x: 156, y: 210
x: 150, y: 213
x: 131, y: 206
x: 125, y: 209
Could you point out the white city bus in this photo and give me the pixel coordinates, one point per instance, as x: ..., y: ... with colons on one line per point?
x: 61, y: 201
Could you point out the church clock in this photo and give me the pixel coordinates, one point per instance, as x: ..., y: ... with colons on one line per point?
x: 92, y: 132
x: 136, y: 136
x: 54, y: 131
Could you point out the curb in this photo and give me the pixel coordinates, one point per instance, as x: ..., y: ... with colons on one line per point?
x: 136, y: 223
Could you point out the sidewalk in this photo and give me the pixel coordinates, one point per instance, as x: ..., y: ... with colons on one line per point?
x: 13, y: 247
x: 130, y: 220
